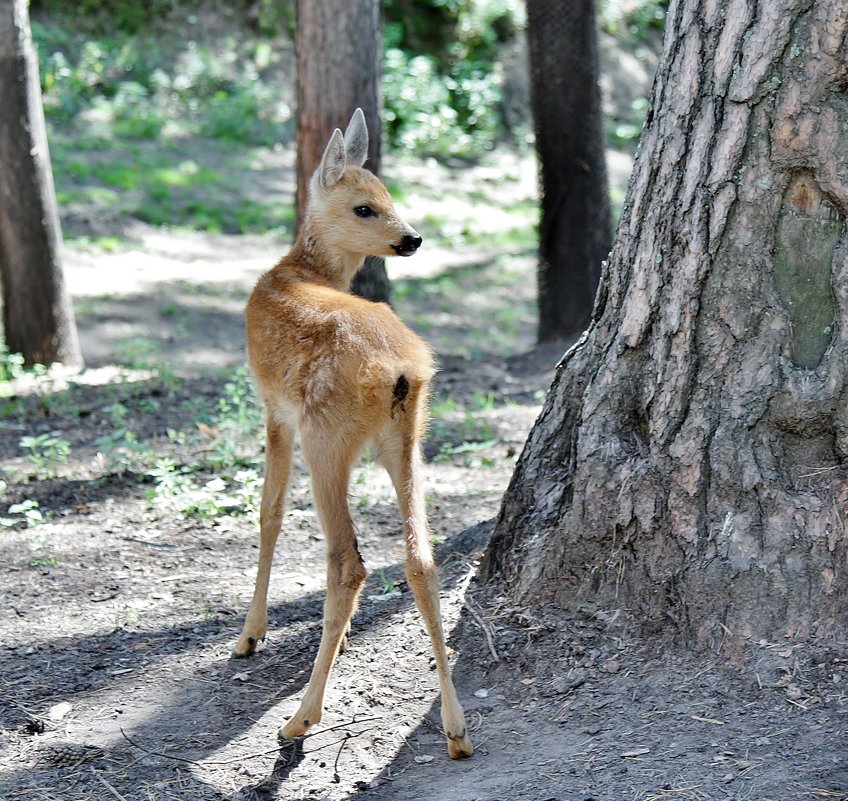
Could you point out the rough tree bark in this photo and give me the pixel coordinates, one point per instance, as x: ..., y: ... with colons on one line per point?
x: 575, y: 227
x: 38, y: 318
x: 339, y: 67
x: 690, y: 464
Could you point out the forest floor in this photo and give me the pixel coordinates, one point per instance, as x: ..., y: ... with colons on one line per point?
x: 123, y: 600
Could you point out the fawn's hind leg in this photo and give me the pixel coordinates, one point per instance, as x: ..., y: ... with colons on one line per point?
x: 330, y: 463
x: 278, y: 456
x: 399, y: 452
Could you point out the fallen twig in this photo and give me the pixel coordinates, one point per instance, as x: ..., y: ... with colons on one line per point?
x: 149, y: 752
x: 108, y: 786
x: 486, y: 630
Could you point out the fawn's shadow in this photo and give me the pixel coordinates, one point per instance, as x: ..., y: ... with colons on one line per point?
x: 290, y: 756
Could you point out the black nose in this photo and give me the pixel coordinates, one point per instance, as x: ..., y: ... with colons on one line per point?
x: 408, y: 245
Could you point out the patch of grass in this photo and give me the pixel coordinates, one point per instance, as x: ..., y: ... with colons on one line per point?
x: 474, y: 298
x: 44, y: 561
x: 442, y: 406
x: 460, y: 430
x: 139, y: 353
x: 208, y: 469
x: 387, y: 585
x: 98, y: 196
x: 166, y: 186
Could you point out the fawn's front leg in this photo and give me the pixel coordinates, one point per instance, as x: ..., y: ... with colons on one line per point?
x: 278, y: 457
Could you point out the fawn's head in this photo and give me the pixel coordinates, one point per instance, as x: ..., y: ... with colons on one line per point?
x: 350, y: 206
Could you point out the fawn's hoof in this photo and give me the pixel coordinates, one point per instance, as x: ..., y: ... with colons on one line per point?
x: 294, y: 728
x: 460, y: 746
x: 245, y: 646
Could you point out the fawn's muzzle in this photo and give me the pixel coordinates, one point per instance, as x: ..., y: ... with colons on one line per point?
x: 408, y: 245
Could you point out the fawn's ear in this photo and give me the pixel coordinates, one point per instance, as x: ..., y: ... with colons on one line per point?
x: 333, y: 161
x: 356, y: 139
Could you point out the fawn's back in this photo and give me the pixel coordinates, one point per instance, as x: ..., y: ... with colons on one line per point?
x: 317, y: 351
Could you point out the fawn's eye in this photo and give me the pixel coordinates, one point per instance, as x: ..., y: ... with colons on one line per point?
x: 364, y: 212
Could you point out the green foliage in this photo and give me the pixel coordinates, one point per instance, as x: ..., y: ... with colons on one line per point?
x: 127, y: 16
x: 236, y: 429
x: 164, y: 183
x: 11, y: 364
x: 25, y: 514
x: 626, y: 134
x: 461, y: 430
x: 128, y: 81
x: 441, y: 83
x: 206, y: 471
x: 387, y: 584
x: 637, y: 19
x: 441, y: 87
x: 47, y: 452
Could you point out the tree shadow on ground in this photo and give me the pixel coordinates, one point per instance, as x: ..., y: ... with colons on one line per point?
x: 181, y: 325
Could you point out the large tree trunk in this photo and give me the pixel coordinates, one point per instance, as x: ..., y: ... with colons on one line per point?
x: 689, y: 464
x: 339, y: 58
x: 37, y: 315
x: 575, y: 227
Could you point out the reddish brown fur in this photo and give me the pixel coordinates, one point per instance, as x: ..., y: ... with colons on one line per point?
x: 343, y: 372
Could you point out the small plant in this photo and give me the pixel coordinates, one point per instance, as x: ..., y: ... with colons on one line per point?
x: 443, y: 405
x: 483, y: 402
x: 171, y: 479
x: 248, y: 492
x: 235, y: 430
x: 388, y: 585
x: 25, y: 513
x: 11, y: 364
x: 121, y: 451
x: 47, y: 452
x: 44, y: 561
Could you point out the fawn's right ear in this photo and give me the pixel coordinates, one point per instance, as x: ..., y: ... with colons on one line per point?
x: 333, y: 161
x: 356, y: 139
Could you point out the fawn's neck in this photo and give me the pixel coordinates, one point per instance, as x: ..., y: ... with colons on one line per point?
x: 312, y: 253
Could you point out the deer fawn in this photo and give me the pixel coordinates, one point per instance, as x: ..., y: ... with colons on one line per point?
x: 343, y: 372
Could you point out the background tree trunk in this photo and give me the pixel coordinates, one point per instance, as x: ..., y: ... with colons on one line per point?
x: 38, y: 318
x: 689, y: 464
x: 339, y: 66
x: 576, y: 227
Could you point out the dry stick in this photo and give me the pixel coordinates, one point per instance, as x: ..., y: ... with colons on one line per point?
x: 159, y: 753
x: 188, y: 761
x: 336, y: 778
x: 108, y: 786
x: 486, y: 631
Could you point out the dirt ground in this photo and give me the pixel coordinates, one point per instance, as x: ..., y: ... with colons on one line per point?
x: 119, y: 615
x: 117, y: 680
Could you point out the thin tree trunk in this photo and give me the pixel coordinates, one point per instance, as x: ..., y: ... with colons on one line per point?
x: 37, y: 314
x: 575, y: 228
x: 689, y: 465
x: 339, y: 58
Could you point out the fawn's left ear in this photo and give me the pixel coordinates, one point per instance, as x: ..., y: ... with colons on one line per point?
x: 356, y: 139
x: 333, y: 161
